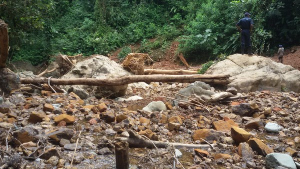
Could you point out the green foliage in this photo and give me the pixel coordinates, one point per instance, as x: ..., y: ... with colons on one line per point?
x: 124, y: 52
x: 39, y: 29
x: 205, y: 66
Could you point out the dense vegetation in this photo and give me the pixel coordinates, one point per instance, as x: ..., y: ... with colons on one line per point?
x: 205, y: 29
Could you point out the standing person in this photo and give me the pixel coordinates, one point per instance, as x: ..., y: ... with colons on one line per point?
x: 280, y: 53
x: 245, y: 26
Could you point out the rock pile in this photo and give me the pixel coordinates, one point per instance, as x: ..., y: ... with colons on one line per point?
x: 259, y: 130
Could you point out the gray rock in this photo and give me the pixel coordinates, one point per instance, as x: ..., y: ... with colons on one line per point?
x: 6, y: 125
x: 273, y: 127
x: 250, y: 164
x: 72, y: 147
x: 155, y: 106
x: 50, y: 153
x: 79, y: 92
x: 274, y: 160
x: 104, y: 151
x: 62, y: 133
x: 63, y: 142
x: 244, y: 109
x: 1, y: 100
x: 198, y: 88
x: 110, y: 132
x: 9, y: 81
x: 232, y: 90
x: 125, y: 134
x: 52, y: 160
x: 78, y: 158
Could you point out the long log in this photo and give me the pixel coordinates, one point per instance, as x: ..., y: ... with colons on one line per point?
x: 3, y: 44
x: 212, y: 79
x: 136, y: 141
x: 169, y: 72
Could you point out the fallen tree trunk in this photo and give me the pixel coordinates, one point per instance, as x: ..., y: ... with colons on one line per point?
x: 212, y: 79
x: 169, y: 72
x: 137, y: 141
x: 9, y: 81
x: 3, y: 44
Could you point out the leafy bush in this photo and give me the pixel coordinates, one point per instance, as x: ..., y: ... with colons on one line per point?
x: 205, y: 67
x: 124, y: 52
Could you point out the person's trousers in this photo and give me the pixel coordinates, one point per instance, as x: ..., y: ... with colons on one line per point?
x: 245, y: 40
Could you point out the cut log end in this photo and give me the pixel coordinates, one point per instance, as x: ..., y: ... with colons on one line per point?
x: 122, y: 155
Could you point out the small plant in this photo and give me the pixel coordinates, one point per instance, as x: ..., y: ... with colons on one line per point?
x: 205, y: 66
x: 124, y: 52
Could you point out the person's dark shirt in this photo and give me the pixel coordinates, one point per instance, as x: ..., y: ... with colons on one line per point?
x: 245, y: 23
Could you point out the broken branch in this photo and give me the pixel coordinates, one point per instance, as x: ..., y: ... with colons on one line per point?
x: 169, y: 72
x: 136, y: 141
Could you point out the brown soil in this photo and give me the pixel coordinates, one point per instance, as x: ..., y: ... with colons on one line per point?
x: 168, y: 60
x: 291, y: 57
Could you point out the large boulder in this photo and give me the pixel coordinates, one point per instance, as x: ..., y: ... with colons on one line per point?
x: 256, y: 73
x: 97, y: 67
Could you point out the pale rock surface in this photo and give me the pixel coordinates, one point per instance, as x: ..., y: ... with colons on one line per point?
x: 98, y: 67
x: 256, y: 73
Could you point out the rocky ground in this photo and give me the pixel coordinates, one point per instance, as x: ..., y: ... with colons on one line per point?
x: 42, y: 129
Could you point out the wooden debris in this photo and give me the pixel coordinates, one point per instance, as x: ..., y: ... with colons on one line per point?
x: 212, y: 79
x: 183, y: 60
x: 4, y: 43
x: 137, y: 141
x: 122, y: 155
x: 169, y: 72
